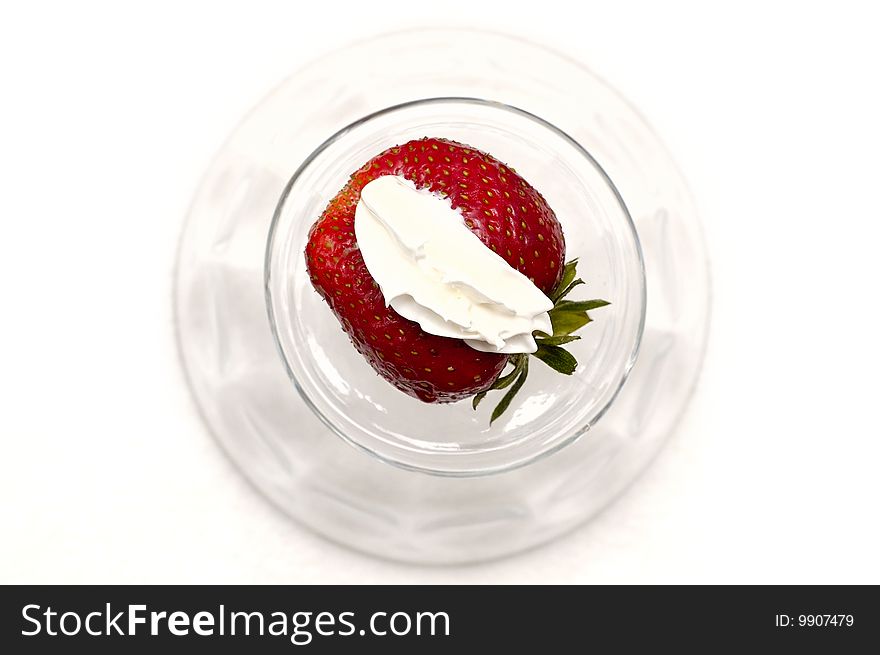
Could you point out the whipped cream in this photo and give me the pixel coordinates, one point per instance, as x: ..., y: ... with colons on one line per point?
x: 433, y: 270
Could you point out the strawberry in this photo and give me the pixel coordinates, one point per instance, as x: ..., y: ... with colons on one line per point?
x: 498, y: 206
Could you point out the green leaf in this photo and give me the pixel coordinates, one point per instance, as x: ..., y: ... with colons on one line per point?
x: 505, y: 402
x: 564, y: 323
x: 568, y: 289
x: 559, y: 359
x: 569, y: 270
x: 503, y: 381
x: 581, y: 305
x: 568, y: 273
x: 557, y: 341
x: 566, y: 317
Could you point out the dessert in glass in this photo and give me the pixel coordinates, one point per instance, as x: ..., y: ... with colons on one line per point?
x: 401, y: 422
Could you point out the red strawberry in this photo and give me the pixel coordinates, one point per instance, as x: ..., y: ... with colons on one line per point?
x: 502, y: 209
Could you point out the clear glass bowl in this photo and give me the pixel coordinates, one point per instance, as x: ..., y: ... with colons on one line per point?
x: 339, y: 385
x: 435, y: 483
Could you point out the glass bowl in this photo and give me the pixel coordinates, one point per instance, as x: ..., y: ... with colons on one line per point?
x: 344, y: 391
x: 287, y: 396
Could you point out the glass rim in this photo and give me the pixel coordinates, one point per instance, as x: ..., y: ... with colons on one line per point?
x: 575, y: 432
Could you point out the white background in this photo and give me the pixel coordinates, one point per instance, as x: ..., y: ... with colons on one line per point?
x: 109, y: 114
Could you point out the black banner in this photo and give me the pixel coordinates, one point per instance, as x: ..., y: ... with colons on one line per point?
x: 114, y: 619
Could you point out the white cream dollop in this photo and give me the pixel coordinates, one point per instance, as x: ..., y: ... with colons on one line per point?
x: 433, y: 270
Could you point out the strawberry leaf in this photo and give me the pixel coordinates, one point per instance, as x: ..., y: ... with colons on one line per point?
x: 568, y: 289
x: 567, y: 316
x: 559, y: 359
x: 564, y: 323
x: 557, y: 341
x: 568, y: 274
x: 580, y: 305
x: 503, y: 381
x: 501, y: 407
